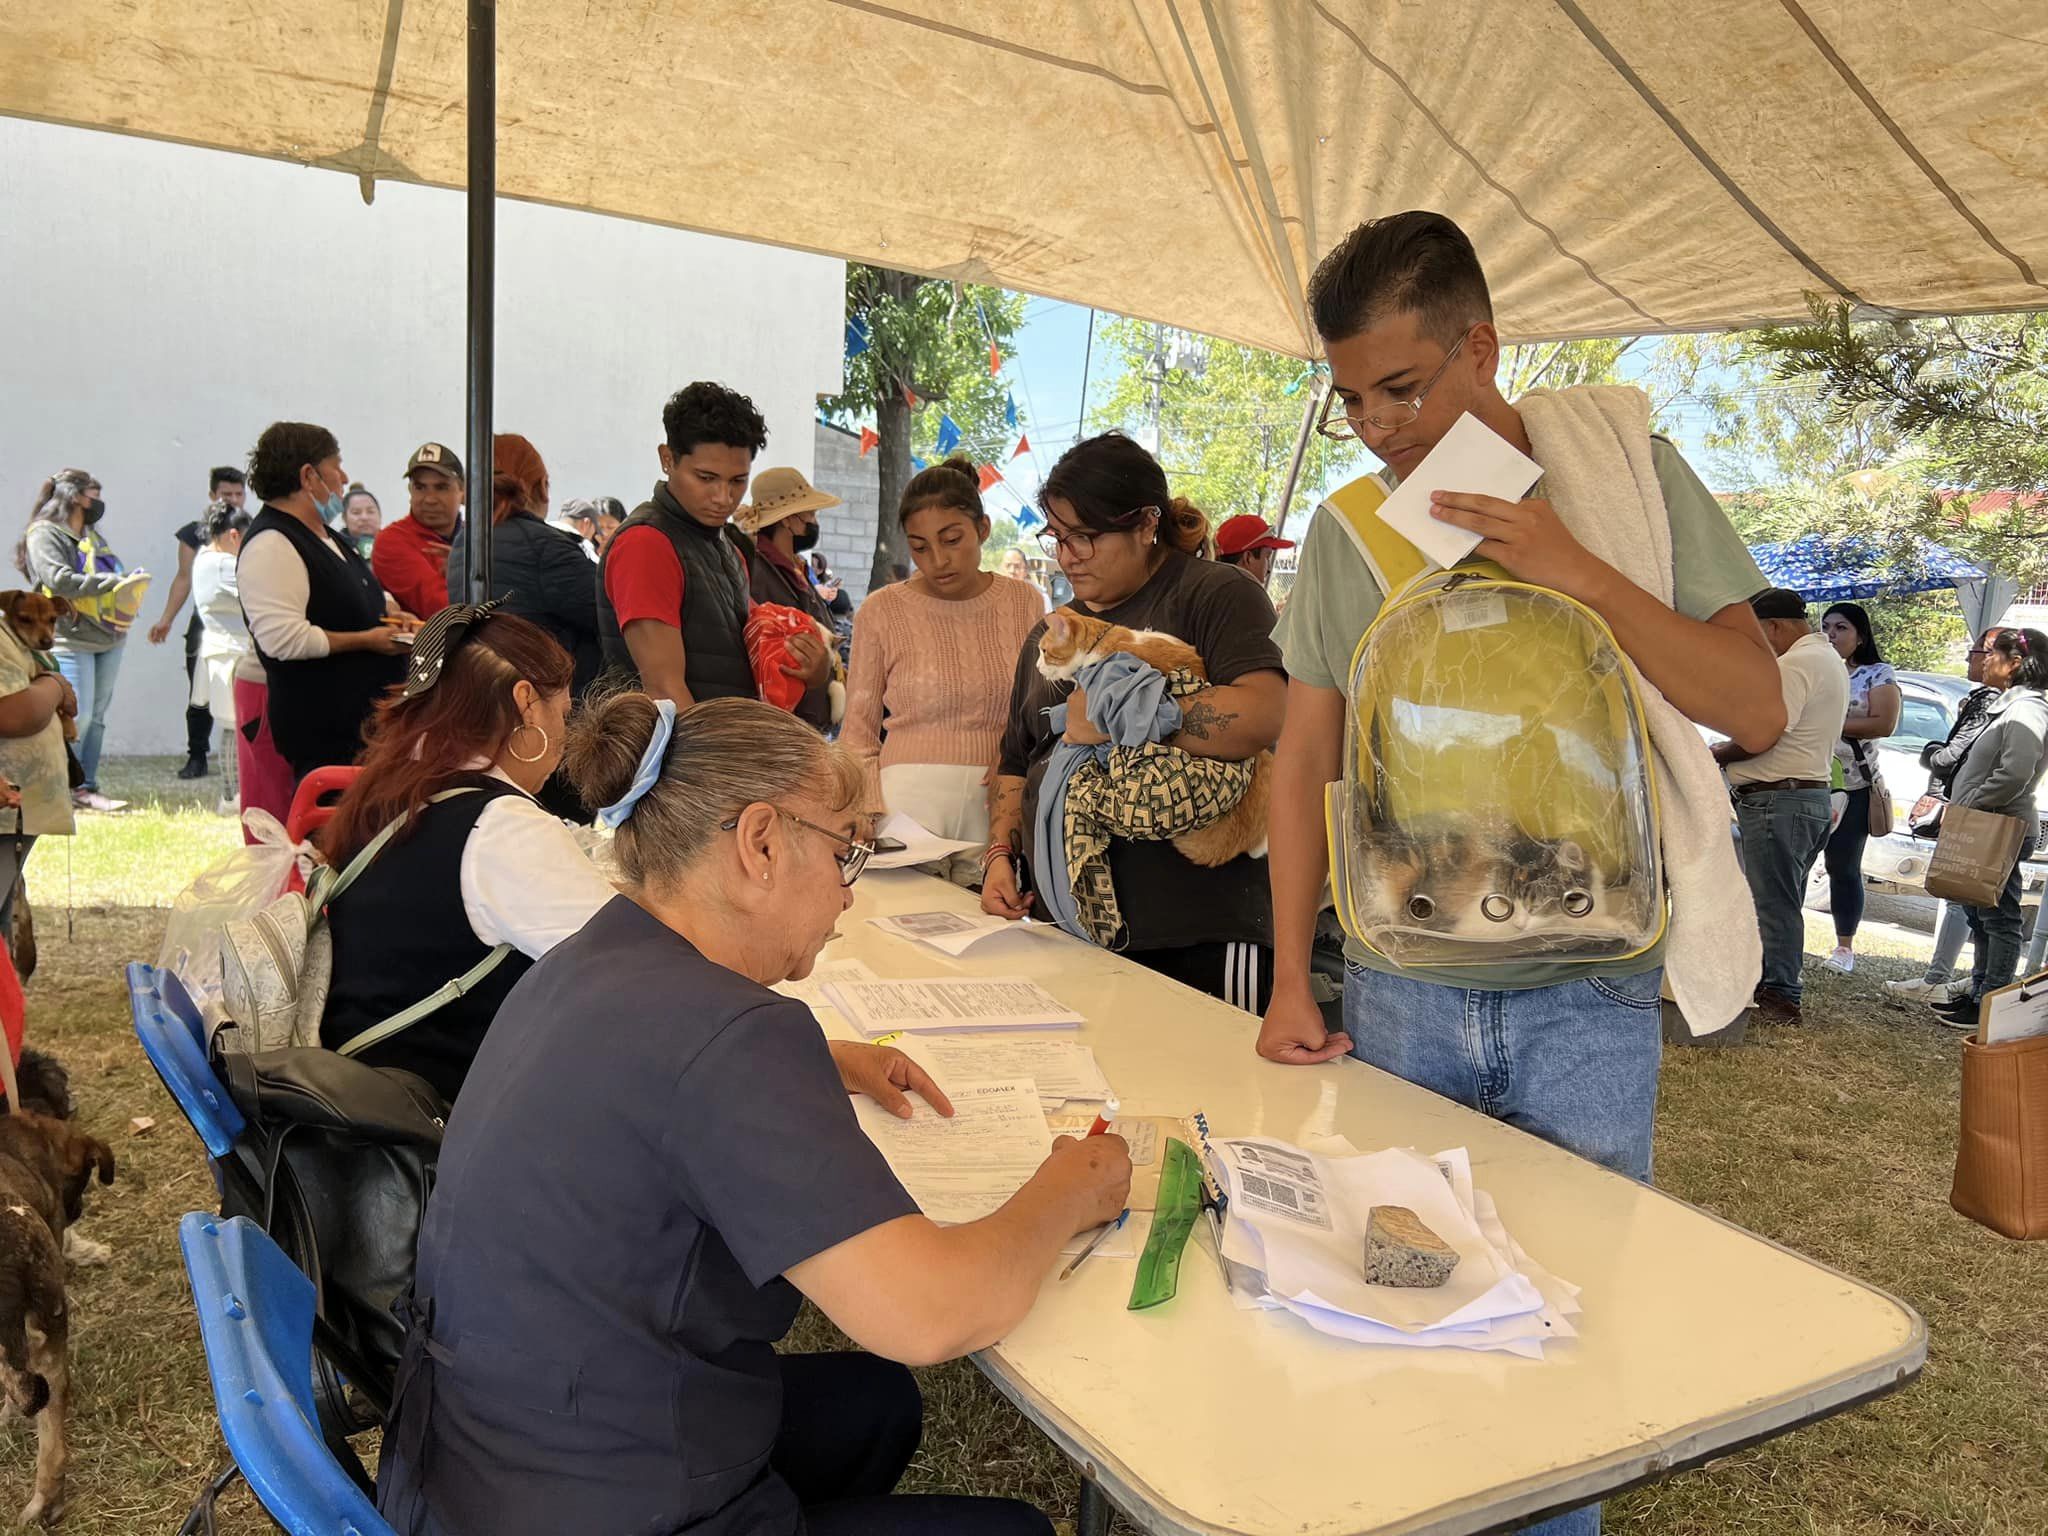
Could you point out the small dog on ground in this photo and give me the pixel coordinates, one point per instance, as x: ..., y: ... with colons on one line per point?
x: 45, y: 1166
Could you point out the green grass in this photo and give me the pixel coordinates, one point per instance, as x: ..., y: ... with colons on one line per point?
x: 1836, y: 1139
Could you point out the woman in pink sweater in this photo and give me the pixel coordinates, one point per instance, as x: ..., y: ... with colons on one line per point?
x: 933, y: 662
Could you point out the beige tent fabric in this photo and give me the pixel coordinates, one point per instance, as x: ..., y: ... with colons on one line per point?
x: 1624, y: 166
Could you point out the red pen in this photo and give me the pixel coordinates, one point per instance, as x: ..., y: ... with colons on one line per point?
x: 1103, y: 1120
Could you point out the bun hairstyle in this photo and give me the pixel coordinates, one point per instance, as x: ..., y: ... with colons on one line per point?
x: 955, y: 483
x: 2029, y: 647
x: 724, y: 756
x: 1111, y: 483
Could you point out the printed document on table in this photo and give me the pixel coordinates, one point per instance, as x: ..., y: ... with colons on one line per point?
x: 1470, y: 458
x: 952, y: 933
x: 811, y: 993
x: 1063, y: 1069
x: 940, y: 1004
x: 919, y: 846
x: 962, y: 1168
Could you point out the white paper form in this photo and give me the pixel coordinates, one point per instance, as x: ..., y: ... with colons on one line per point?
x: 1062, y: 1069
x: 950, y: 933
x: 919, y: 846
x: 1471, y: 458
x: 2018, y: 1013
x: 963, y: 1168
x: 811, y: 993
x: 940, y: 1004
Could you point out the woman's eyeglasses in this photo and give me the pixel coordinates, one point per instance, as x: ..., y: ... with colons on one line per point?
x: 1081, y: 541
x: 853, y: 854
x: 1344, y: 425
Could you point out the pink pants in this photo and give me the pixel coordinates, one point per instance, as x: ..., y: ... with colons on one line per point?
x: 267, y: 779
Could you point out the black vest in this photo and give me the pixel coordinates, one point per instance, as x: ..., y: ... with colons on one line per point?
x: 319, y: 707
x: 714, y: 616
x: 400, y: 933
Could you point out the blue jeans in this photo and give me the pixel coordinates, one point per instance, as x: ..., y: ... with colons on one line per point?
x: 1575, y: 1064
x: 91, y: 675
x: 1995, y: 932
x: 1782, y: 834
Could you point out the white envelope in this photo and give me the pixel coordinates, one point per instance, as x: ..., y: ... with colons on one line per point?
x: 1472, y: 459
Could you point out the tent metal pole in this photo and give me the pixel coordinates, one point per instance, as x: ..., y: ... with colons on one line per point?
x: 483, y: 255
x: 1308, y: 425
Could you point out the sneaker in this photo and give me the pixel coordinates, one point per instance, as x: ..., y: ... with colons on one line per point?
x: 1774, y: 1007
x: 1960, y: 1014
x: 195, y: 767
x: 93, y: 800
x: 1842, y: 958
x: 1931, y: 992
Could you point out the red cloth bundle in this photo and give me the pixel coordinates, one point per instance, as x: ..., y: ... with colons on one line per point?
x: 770, y: 628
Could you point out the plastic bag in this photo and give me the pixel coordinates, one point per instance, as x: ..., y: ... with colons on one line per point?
x: 239, y: 886
x: 770, y: 628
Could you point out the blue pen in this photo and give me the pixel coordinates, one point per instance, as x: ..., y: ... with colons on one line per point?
x: 1095, y: 1242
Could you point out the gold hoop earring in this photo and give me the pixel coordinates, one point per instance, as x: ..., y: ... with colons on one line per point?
x: 527, y: 725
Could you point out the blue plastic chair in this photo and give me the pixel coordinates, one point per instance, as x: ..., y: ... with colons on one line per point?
x: 256, y: 1321
x: 173, y: 1037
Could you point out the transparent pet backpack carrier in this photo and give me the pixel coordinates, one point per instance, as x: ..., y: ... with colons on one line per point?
x: 1497, y: 803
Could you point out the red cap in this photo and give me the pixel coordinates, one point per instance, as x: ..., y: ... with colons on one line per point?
x: 1243, y: 533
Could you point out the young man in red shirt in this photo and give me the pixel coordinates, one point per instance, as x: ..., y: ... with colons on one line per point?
x: 411, y: 555
x: 673, y: 583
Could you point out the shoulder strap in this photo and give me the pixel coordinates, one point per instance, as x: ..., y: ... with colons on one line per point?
x: 375, y: 846
x: 431, y: 1003
x: 1394, y: 561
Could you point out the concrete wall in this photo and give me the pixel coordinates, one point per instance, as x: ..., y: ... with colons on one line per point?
x: 847, y: 534
x: 162, y: 304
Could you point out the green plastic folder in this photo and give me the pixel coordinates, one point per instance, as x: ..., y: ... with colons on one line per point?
x: 1173, y: 1219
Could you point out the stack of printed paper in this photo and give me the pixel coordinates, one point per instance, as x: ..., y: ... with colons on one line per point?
x: 1294, y: 1239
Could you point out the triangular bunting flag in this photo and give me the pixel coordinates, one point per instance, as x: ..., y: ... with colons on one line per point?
x: 918, y: 464
x: 910, y: 397
x: 1028, y: 517
x: 856, y: 336
x: 949, y: 432
x: 995, y: 361
x: 990, y: 476
x: 1010, y: 411
x: 868, y: 439
x: 1023, y: 447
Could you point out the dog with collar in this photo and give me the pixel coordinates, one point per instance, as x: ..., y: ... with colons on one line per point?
x: 45, y: 1167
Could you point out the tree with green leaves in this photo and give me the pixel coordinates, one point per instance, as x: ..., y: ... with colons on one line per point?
x: 1222, y: 418
x: 910, y: 335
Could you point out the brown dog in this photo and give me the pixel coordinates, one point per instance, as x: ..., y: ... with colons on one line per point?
x: 33, y: 618
x: 45, y: 1166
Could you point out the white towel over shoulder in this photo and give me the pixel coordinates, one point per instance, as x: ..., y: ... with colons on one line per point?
x: 1594, y: 446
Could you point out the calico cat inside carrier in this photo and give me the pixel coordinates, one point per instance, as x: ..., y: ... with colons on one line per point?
x: 1497, y: 803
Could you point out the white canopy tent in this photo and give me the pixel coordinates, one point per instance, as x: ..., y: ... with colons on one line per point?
x: 1624, y: 166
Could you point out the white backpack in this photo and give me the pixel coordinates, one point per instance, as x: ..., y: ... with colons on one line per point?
x: 276, y: 967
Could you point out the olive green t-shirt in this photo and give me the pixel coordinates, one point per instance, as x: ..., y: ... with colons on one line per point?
x: 1335, y: 599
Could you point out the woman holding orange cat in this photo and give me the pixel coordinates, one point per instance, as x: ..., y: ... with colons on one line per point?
x: 1131, y: 549
x: 932, y: 658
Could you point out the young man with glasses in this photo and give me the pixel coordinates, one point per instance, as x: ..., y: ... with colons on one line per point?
x: 1566, y: 1050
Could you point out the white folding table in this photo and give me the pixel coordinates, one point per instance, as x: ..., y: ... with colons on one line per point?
x: 1697, y: 1337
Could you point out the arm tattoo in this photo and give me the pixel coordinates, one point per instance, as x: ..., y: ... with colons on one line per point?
x: 1202, y: 721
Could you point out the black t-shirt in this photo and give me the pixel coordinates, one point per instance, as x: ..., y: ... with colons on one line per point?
x: 194, y: 540
x: 645, y: 1143
x: 1167, y: 902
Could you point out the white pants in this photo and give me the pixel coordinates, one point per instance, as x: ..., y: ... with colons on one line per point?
x: 948, y: 800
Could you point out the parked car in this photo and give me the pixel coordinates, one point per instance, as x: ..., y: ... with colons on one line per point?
x: 1927, y: 711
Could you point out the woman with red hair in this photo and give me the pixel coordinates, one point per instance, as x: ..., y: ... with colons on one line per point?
x: 538, y: 571
x: 461, y: 880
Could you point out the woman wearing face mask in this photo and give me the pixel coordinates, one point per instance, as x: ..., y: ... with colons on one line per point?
x: 1132, y: 551
x: 63, y: 553
x: 315, y: 611
x: 932, y: 660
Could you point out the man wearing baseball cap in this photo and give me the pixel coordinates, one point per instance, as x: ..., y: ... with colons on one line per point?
x: 1781, y: 793
x: 1247, y: 543
x: 411, y: 555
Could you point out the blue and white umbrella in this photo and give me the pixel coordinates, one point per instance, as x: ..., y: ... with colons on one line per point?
x: 1824, y: 568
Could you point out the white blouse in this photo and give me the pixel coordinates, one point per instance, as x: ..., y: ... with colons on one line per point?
x: 526, y: 881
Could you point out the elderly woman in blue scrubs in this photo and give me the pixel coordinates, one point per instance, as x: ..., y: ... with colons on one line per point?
x: 655, y: 1158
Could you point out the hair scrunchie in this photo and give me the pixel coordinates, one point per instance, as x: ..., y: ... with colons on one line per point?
x: 649, y: 769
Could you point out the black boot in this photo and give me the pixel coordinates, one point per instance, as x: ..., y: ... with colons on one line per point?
x: 195, y: 767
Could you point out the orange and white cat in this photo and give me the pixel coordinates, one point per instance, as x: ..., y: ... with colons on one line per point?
x: 1072, y: 641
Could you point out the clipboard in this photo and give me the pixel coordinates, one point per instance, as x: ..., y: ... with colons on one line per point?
x: 2015, y: 1012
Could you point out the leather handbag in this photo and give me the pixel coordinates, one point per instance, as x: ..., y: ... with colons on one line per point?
x: 350, y: 1152
x: 2001, y: 1177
